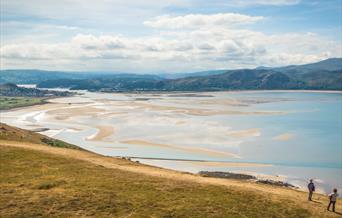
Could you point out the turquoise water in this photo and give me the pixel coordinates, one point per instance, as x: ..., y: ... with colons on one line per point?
x: 314, y: 120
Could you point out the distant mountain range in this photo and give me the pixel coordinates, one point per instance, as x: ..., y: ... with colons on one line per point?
x: 323, y: 75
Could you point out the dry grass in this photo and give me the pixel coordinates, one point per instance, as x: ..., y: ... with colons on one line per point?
x: 37, y: 180
x: 16, y: 134
x: 35, y: 184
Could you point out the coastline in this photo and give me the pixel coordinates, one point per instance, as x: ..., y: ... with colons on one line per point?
x: 218, y: 91
x: 14, y: 108
x: 137, y: 142
x: 44, y: 100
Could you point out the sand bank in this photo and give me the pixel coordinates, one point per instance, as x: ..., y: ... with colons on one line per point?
x: 102, y: 133
x: 199, y: 111
x: 283, y: 137
x: 196, y: 150
x: 244, y: 133
x: 69, y: 112
x: 228, y: 164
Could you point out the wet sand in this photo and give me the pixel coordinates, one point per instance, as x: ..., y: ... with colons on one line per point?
x: 200, y: 111
x: 228, y: 164
x: 196, y: 150
x: 244, y: 133
x: 69, y: 112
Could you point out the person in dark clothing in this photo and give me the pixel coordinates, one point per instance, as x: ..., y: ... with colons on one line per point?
x: 332, y: 199
x: 311, y: 188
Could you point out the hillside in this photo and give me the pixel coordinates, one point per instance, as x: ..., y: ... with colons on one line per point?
x: 12, y: 96
x: 63, y: 182
x: 236, y: 80
x: 10, y: 133
x: 12, y: 90
x: 324, y: 75
x: 38, y: 76
x: 331, y: 64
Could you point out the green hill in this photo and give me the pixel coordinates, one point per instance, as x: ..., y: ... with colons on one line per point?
x: 324, y: 75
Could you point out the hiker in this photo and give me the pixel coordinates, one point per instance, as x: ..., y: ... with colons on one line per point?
x: 311, y: 187
x: 333, y: 197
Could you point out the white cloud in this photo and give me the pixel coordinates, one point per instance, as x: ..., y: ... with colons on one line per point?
x: 200, y: 20
x: 90, y: 42
x: 264, y: 2
x: 187, y: 50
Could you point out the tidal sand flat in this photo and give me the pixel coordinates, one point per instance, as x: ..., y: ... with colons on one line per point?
x: 295, y: 134
x: 195, y: 150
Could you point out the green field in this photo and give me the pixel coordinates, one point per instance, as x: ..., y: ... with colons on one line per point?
x: 34, y: 184
x: 13, y: 102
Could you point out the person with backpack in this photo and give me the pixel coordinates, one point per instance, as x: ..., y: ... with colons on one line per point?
x: 332, y: 199
x: 311, y: 188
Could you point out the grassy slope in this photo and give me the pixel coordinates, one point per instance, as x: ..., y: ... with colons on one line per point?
x: 35, y: 183
x: 14, y: 102
x: 15, y: 134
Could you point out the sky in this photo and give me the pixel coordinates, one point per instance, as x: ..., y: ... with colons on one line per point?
x: 169, y: 36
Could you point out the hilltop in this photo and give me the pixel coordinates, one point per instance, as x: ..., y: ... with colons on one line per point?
x: 61, y: 181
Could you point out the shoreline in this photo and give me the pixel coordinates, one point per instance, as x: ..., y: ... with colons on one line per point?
x: 219, y: 91
x: 192, y: 160
x: 45, y: 100
x: 78, y: 91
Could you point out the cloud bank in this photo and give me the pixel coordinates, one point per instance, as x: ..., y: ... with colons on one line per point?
x: 200, y: 20
x: 138, y: 37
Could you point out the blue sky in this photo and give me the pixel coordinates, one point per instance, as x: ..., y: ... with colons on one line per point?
x: 167, y: 36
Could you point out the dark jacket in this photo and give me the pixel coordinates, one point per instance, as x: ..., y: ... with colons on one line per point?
x: 311, y: 187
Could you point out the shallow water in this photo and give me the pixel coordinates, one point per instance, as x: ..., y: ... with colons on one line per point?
x: 299, y: 133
